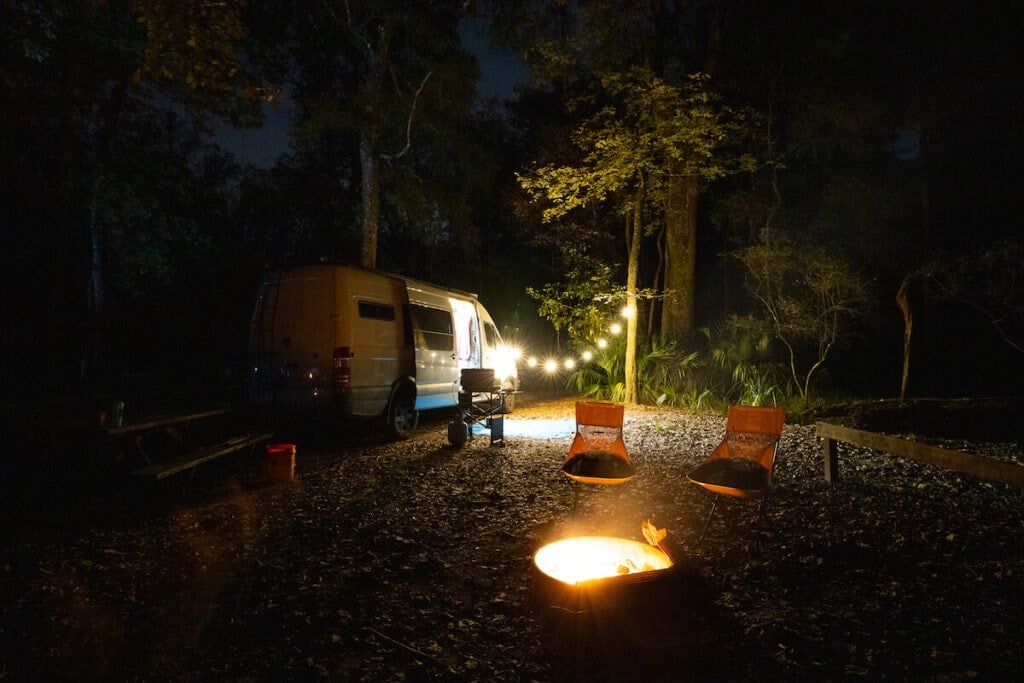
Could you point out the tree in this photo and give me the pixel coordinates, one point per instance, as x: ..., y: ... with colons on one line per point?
x: 990, y: 281
x: 575, y: 304
x: 378, y: 78
x: 569, y: 46
x: 629, y: 146
x: 95, y: 82
x: 809, y: 298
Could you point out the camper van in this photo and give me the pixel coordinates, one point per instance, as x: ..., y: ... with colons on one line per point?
x: 357, y: 342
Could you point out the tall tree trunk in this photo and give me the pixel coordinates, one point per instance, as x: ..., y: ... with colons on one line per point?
x: 96, y: 288
x: 369, y: 160
x: 680, y: 256
x: 635, y: 234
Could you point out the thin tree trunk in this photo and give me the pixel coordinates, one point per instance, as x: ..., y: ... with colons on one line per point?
x: 903, y: 299
x: 635, y: 237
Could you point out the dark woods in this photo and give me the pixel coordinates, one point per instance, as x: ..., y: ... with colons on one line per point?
x: 828, y: 157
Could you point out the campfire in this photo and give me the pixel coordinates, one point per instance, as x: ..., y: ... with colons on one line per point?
x: 587, y: 572
x: 584, y: 558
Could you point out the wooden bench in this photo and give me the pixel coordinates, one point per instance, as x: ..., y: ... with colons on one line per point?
x: 161, y: 421
x: 976, y: 465
x: 166, y: 468
x: 127, y: 443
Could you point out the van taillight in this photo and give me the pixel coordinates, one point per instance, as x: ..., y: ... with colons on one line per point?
x: 342, y: 371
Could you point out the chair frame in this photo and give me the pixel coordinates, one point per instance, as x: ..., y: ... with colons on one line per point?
x: 606, y: 419
x: 481, y: 401
x: 752, y: 436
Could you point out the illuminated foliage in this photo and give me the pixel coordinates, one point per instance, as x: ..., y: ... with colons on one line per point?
x: 646, y: 129
x: 629, y: 145
x: 575, y: 304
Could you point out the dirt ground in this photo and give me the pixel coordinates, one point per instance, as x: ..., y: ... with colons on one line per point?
x: 386, y: 561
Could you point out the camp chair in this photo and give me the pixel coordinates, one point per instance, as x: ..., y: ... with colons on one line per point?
x: 741, y: 466
x: 598, y: 453
x: 481, y: 401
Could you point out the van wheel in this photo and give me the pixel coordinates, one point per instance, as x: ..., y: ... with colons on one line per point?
x: 402, y: 415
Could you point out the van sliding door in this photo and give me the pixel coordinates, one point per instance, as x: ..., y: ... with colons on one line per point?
x: 436, y: 358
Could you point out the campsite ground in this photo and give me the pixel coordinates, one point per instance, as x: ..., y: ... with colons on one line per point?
x: 413, y: 561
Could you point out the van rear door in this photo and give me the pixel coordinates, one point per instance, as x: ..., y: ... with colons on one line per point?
x: 297, y: 337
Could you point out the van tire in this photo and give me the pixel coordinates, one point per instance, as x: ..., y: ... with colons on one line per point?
x: 402, y: 415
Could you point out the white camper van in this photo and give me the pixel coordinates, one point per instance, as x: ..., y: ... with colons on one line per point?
x: 362, y: 343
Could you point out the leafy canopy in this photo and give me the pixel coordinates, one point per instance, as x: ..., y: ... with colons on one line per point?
x: 646, y: 128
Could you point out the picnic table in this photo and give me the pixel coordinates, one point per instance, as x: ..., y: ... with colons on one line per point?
x: 158, y: 444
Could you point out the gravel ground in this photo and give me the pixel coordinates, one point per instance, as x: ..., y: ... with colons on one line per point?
x: 389, y: 561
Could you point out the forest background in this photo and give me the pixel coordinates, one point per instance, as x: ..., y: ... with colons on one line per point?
x: 792, y: 200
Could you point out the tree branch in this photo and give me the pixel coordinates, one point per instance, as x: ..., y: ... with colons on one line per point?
x: 408, y: 122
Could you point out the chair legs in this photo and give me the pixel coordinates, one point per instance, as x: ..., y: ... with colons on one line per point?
x: 707, y: 523
x: 714, y: 506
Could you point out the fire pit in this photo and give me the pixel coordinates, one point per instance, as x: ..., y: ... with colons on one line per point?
x: 587, y: 573
x: 616, y: 608
x: 586, y: 558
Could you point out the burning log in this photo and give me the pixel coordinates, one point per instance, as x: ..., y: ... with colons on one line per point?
x: 586, y: 573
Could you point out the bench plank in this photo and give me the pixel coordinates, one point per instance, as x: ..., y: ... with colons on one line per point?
x: 162, y: 421
x: 976, y: 465
x: 166, y: 468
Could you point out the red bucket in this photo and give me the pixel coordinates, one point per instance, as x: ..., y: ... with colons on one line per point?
x: 281, y: 461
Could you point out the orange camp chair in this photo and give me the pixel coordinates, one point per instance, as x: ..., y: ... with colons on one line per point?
x: 598, y: 453
x: 741, y: 466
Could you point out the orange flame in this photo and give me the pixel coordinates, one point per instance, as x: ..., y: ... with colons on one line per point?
x: 584, y: 558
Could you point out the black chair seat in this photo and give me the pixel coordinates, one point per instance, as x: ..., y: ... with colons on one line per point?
x: 732, y: 473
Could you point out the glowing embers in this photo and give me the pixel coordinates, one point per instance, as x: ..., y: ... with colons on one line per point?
x: 585, y: 558
x: 581, y: 574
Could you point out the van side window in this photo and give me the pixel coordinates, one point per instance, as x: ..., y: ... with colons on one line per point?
x: 375, y: 311
x: 432, y: 327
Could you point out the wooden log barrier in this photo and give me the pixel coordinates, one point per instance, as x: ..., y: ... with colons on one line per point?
x: 976, y: 465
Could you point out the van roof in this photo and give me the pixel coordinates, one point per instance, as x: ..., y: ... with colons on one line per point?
x: 407, y: 279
